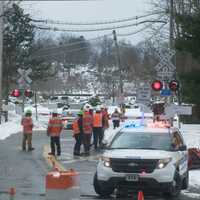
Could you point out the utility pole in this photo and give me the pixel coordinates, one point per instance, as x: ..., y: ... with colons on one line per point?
x: 118, y: 62
x: 171, y: 28
x: 1, y: 54
x: 172, y: 46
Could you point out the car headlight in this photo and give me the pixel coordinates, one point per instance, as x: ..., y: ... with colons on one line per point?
x: 162, y: 163
x: 106, y: 161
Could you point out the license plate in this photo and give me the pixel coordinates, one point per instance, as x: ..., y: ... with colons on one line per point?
x: 132, y: 177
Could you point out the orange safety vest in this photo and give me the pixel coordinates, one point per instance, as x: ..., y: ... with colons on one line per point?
x: 97, y: 120
x: 27, y: 124
x: 87, y: 123
x: 105, y: 119
x: 75, y: 127
x: 55, y: 126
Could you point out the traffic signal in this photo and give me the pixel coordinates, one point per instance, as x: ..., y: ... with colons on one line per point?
x: 15, y: 93
x: 28, y: 93
x: 157, y: 85
x: 174, y: 85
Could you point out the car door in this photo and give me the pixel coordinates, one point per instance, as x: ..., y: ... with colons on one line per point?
x: 182, y: 153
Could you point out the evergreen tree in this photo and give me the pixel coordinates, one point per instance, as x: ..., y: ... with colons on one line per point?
x: 17, y: 42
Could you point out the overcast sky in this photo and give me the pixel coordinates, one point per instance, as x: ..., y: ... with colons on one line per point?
x: 92, y: 11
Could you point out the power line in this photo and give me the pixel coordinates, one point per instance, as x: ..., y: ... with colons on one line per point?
x: 54, y: 22
x: 73, y: 43
x: 98, y: 29
x: 82, y: 48
x: 138, y: 31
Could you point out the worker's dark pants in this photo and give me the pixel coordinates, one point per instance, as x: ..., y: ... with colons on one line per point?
x: 27, y: 137
x: 55, y: 141
x: 86, y: 142
x: 115, y: 123
x: 77, y: 146
x: 98, y: 136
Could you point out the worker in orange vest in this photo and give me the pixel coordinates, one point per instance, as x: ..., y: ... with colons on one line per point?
x: 27, y: 124
x: 54, y: 129
x: 78, y: 133
x: 87, y: 129
x: 98, y: 128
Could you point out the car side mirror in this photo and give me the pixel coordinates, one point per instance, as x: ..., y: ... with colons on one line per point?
x: 183, y: 148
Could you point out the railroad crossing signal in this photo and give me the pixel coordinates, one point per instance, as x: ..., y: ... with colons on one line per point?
x: 24, y: 81
x: 157, y: 85
x: 174, y: 85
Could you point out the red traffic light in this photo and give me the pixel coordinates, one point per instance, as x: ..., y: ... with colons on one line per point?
x: 174, y: 85
x: 15, y: 93
x: 28, y: 93
x: 157, y: 85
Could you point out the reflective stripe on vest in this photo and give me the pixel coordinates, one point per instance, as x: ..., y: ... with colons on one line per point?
x: 55, y: 126
x: 75, y: 127
x: 87, y: 123
x: 97, y: 120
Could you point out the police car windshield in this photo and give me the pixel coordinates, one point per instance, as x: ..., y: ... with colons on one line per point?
x: 141, y: 140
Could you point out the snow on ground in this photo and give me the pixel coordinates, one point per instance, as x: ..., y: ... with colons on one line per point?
x: 191, y: 133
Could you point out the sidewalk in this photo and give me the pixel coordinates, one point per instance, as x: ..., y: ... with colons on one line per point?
x: 24, y: 171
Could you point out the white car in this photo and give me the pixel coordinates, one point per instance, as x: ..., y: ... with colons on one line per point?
x: 143, y: 158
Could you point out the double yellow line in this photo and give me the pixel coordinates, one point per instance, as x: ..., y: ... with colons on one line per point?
x: 51, y: 160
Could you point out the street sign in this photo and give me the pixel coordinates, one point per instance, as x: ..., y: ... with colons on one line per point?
x: 165, y: 93
x: 173, y: 109
x: 143, y: 94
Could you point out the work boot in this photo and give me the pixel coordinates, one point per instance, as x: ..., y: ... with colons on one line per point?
x: 31, y: 149
x: 86, y: 153
x: 76, y: 154
x: 51, y: 154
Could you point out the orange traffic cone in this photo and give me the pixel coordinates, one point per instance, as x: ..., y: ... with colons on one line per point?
x: 12, y: 191
x: 140, y: 195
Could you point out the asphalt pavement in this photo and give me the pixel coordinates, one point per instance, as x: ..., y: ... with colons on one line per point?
x: 26, y: 171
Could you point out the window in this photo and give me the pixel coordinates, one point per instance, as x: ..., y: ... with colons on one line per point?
x: 144, y: 140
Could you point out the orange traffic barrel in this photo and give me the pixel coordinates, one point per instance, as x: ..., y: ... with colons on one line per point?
x: 62, y: 185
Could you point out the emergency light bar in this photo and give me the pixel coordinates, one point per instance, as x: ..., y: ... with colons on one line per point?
x: 133, y: 125
x: 159, y: 124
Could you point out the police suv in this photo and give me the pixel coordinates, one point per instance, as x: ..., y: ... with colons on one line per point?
x: 152, y: 157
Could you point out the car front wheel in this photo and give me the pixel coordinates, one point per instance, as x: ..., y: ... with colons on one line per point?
x: 102, y: 189
x: 175, y: 188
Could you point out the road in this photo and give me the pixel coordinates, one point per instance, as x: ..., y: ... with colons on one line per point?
x: 26, y: 171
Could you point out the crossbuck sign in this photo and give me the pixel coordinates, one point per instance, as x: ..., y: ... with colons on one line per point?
x: 24, y: 81
x: 165, y: 68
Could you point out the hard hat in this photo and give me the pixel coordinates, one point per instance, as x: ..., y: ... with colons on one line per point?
x: 98, y: 108
x: 80, y: 112
x: 28, y: 111
x: 87, y: 107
